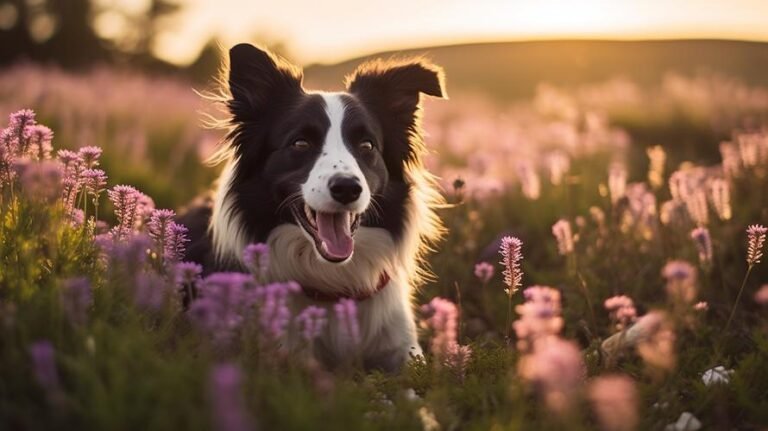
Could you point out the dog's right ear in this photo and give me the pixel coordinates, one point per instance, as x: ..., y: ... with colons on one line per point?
x: 258, y: 79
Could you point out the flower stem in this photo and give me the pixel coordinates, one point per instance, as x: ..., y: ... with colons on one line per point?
x: 738, y: 298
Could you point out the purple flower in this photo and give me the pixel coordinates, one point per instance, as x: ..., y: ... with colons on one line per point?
x: 40, y: 138
x: 346, y: 316
x: 256, y: 259
x: 681, y: 280
x: 124, y: 198
x: 94, y: 182
x: 703, y: 243
x: 484, y: 272
x: 76, y: 297
x: 512, y: 253
x: 274, y: 314
x: 42, y: 181
x: 229, y: 412
x: 18, y: 132
x: 69, y: 158
x: 43, y: 357
x: 564, y: 236
x: 90, y: 156
x: 312, y: 321
x: 176, y: 244
x: 222, y: 305
x: 187, y: 273
x: 170, y: 238
x: 149, y: 291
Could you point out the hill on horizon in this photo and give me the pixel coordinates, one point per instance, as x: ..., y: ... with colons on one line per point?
x: 511, y: 70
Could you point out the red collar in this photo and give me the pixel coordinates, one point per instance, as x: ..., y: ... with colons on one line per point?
x: 317, y: 295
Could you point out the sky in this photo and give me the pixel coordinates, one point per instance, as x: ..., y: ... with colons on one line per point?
x: 328, y: 31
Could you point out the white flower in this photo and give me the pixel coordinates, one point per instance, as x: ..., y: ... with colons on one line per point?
x: 686, y: 422
x: 716, y: 375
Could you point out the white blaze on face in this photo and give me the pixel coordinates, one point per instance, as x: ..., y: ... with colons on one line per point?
x: 333, y: 219
x: 335, y: 159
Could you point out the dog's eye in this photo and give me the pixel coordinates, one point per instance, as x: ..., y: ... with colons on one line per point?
x: 366, y: 145
x: 300, y: 145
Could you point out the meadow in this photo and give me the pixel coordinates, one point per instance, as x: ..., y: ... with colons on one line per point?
x: 601, y: 268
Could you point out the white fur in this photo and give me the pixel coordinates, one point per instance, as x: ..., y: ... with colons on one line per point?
x: 334, y: 159
x: 229, y: 238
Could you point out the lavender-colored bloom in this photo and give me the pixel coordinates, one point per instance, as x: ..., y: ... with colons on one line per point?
x: 229, y: 412
x: 274, y: 314
x: 484, y: 272
x: 346, y: 316
x: 617, y: 181
x: 18, y: 131
x: 76, y: 296
x: 312, y: 321
x: 187, y: 273
x: 40, y: 138
x: 512, y: 253
x: 144, y: 207
x: 42, y: 181
x: 256, y: 259
x: 90, y: 156
x: 94, y: 182
x: 176, y: 244
x: 125, y: 199
x: 222, y: 304
x: 69, y: 158
x: 681, y: 281
x: 150, y: 291
x: 703, y: 243
x: 43, y: 357
x: 160, y: 228
x: 755, y: 240
x: 564, y: 236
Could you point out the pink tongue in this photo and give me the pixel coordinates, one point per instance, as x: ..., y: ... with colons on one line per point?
x: 334, y: 230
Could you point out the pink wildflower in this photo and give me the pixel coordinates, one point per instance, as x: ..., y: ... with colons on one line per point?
x: 90, y: 156
x: 617, y: 181
x: 274, y: 314
x: 555, y: 370
x: 622, y: 309
x: 703, y: 243
x: 761, y: 296
x: 444, y: 322
x: 681, y: 281
x: 124, y: 199
x: 614, y: 399
x: 755, y: 240
x: 226, y: 397
x: 701, y: 306
x: 539, y: 316
x: 346, y: 316
x: 311, y: 321
x: 564, y: 236
x: 720, y: 196
x: 484, y: 272
x: 512, y: 253
x: 256, y: 259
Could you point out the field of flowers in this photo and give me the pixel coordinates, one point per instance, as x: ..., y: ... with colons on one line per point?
x: 602, y: 269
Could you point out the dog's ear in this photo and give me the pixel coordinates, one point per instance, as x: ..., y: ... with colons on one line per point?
x: 397, y: 84
x: 258, y: 79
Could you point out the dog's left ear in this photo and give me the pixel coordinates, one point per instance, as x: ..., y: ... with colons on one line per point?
x: 396, y: 86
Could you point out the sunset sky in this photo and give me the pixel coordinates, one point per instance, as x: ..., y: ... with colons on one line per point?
x: 332, y: 30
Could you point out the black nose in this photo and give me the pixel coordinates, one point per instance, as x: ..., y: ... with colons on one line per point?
x: 345, y: 189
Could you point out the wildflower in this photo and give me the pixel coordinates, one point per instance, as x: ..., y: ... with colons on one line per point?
x: 94, y: 183
x: 529, y: 179
x: 228, y: 405
x: 622, y: 309
x: 555, y: 371
x: 346, y: 315
x: 720, y: 196
x: 512, y: 253
x: 701, y: 306
x: 187, y: 277
x: 672, y: 212
x: 761, y: 296
x: 716, y: 375
x: 274, y: 314
x: 657, y: 341
x: 256, y: 259
x: 484, y: 272
x: 657, y: 157
x: 42, y: 181
x: 686, y: 422
x: 69, y: 158
x: 90, y: 156
x: 176, y: 244
x: 445, y: 346
x: 76, y: 297
x: 614, y: 399
x: 539, y: 316
x: 18, y: 131
x: 731, y: 159
x: 222, y: 304
x: 681, y: 281
x: 755, y: 240
x: 43, y: 357
x: 160, y: 224
x: 558, y: 164
x: 703, y: 243
x: 617, y: 181
x: 149, y: 292
x: 696, y: 204
x: 564, y: 236
x: 311, y: 321
x: 144, y: 208
x: 40, y: 138
x: 125, y: 200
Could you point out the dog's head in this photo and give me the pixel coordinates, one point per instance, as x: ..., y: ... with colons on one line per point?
x: 323, y: 161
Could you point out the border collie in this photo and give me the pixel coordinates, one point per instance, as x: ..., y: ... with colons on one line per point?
x: 334, y: 183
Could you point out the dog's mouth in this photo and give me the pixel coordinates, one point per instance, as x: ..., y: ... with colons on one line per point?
x: 332, y: 233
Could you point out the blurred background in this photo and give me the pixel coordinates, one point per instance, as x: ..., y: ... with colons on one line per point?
x: 531, y: 81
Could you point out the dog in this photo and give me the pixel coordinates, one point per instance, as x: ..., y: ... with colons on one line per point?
x: 334, y: 183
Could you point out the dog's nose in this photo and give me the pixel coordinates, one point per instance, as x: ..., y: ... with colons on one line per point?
x: 345, y: 189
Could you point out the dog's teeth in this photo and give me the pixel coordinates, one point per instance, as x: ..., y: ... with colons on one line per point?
x: 310, y: 217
